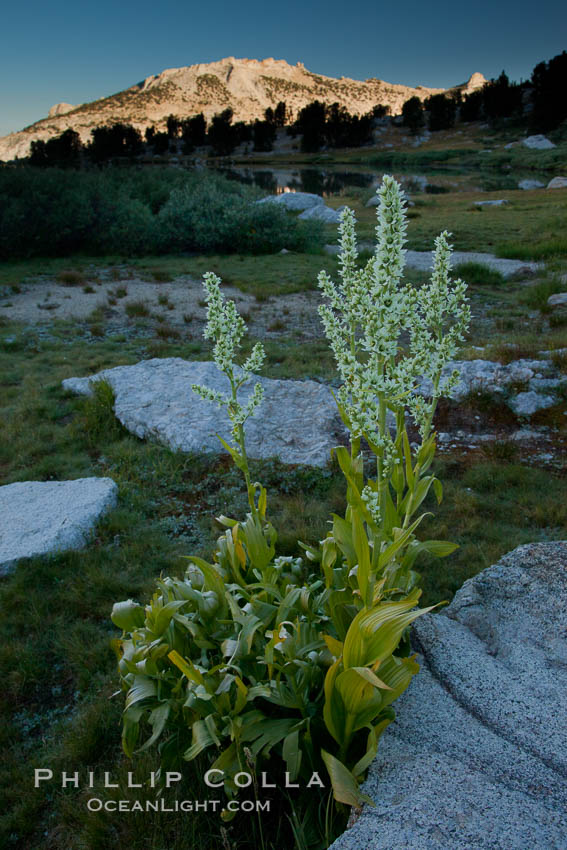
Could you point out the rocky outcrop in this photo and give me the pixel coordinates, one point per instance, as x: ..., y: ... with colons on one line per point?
x: 60, y: 109
x: 474, y: 82
x: 525, y: 385
x: 247, y: 86
x: 44, y: 517
x: 476, y: 758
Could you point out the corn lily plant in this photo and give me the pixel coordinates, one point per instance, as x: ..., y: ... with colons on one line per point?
x: 298, y: 660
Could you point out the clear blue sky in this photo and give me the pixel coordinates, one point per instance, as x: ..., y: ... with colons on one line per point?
x: 79, y: 51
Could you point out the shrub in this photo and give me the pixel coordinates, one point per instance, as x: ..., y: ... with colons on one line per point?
x: 222, y: 218
x: 97, y: 418
x: 537, y: 295
x: 137, y: 309
x: 298, y: 659
x: 54, y: 212
x: 70, y: 277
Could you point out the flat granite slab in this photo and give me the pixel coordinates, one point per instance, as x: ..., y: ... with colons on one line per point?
x: 423, y: 260
x: 296, y: 422
x: 44, y: 517
x: 477, y: 756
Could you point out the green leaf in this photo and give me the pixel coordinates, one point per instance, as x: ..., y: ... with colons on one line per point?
x: 358, y: 695
x: 438, y: 488
x: 334, y: 711
x: 391, y: 517
x: 203, y: 736
x: 157, y: 719
x: 131, y: 728
x: 371, y: 747
x: 292, y: 754
x: 334, y: 646
x: 342, y: 534
x: 159, y: 618
x: 287, y: 605
x: 345, y: 786
x: 128, y: 615
x: 374, y: 635
x: 439, y: 548
x: 143, y: 688
x: 390, y: 552
x: 360, y: 541
x: 262, y: 501
x: 214, y: 582
x: 186, y: 666
x: 268, y: 732
x: 421, y: 492
x: 371, y: 677
x: 260, y: 550
x: 226, y: 521
x: 408, y: 460
x: 236, y: 456
x: 397, y: 673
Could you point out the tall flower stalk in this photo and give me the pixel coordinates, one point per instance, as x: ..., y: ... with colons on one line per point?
x: 227, y: 328
x: 387, y: 337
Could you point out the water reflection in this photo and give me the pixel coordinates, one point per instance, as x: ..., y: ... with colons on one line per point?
x: 318, y: 181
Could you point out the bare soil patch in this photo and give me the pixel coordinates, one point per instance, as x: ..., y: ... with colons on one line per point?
x: 179, y: 303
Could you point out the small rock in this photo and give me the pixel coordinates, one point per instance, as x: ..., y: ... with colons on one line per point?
x: 557, y: 183
x: 43, y: 517
x: 497, y: 203
x: 526, y: 404
x: 558, y: 300
x: 539, y: 384
x: 294, y: 200
x: 525, y: 434
x: 553, y: 352
x: 321, y: 212
x: 415, y: 183
x: 545, y: 457
x: 538, y: 143
x: 527, y: 185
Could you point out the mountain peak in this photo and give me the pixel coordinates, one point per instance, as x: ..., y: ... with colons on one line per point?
x: 475, y: 81
x: 247, y: 86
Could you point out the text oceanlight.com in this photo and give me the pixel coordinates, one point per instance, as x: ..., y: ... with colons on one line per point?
x: 95, y: 804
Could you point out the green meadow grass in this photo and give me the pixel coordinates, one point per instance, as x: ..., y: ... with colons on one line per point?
x: 531, y: 226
